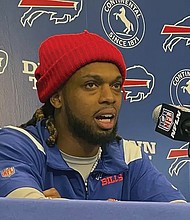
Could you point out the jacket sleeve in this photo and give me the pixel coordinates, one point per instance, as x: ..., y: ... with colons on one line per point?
x: 20, y: 162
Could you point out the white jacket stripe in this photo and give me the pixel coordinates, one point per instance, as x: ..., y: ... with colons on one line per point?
x: 38, y: 145
x: 132, y: 151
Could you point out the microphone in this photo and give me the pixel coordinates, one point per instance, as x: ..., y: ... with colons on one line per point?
x: 172, y: 121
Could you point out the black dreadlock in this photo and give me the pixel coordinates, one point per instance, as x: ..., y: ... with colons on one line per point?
x: 46, y: 111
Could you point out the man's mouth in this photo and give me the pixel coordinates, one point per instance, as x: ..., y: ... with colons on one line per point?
x: 105, y: 121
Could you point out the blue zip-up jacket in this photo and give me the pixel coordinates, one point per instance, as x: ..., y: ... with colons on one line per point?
x: 124, y: 171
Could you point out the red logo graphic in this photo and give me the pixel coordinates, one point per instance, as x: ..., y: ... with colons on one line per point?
x: 179, y: 31
x: 60, y: 11
x: 181, y: 159
x: 52, y: 3
x: 7, y: 172
x: 177, y: 153
x: 172, y: 29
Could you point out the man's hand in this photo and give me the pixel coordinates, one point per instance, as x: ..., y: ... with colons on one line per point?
x: 51, y: 193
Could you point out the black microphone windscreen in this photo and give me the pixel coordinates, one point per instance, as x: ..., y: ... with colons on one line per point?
x: 172, y: 121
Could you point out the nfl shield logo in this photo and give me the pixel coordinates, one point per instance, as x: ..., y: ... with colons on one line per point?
x: 166, y: 120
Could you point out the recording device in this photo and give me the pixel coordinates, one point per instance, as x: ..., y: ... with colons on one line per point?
x: 172, y: 121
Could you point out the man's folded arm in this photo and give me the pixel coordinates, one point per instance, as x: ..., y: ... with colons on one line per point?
x: 26, y: 192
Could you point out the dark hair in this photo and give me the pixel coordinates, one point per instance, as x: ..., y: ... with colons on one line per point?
x: 45, y: 112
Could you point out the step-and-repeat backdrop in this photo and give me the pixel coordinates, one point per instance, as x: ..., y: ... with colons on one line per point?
x: 154, y: 37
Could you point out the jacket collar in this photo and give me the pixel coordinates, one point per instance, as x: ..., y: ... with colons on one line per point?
x: 111, y: 162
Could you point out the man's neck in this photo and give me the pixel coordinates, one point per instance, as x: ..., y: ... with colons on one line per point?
x: 76, y: 147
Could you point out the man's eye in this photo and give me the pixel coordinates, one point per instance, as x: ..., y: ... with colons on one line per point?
x: 117, y: 86
x: 90, y: 85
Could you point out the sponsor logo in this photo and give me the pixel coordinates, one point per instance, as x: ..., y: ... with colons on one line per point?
x: 7, y: 172
x: 59, y: 11
x: 178, y: 32
x: 3, y: 61
x: 180, y: 88
x: 181, y: 159
x: 166, y: 120
x: 123, y: 22
x: 139, y: 84
x: 29, y: 68
x: 175, y: 124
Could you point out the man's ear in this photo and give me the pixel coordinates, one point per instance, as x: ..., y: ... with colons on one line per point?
x: 56, y: 100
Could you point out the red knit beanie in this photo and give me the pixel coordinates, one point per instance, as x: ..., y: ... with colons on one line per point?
x: 62, y: 55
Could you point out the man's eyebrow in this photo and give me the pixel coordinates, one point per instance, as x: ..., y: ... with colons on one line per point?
x: 118, y: 78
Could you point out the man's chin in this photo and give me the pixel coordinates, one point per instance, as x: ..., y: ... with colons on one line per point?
x: 105, y: 133
x: 103, y: 137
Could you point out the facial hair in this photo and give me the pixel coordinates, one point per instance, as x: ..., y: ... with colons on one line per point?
x: 81, y: 129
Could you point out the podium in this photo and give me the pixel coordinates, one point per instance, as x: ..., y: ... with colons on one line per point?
x: 42, y: 209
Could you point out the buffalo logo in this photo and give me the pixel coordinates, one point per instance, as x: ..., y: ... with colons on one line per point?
x: 59, y: 11
x: 180, y: 88
x: 3, y: 61
x: 166, y: 120
x: 177, y: 32
x: 139, y: 84
x: 123, y: 23
x: 181, y: 159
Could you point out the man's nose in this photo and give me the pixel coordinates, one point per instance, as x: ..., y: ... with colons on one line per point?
x: 107, y: 94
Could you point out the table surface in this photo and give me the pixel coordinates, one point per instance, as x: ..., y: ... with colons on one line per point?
x: 33, y: 209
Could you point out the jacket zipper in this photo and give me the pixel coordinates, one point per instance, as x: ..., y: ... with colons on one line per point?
x: 86, y: 189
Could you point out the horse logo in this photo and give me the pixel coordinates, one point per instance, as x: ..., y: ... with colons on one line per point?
x: 123, y: 25
x: 186, y: 88
x: 128, y: 24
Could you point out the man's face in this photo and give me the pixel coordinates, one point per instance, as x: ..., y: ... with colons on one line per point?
x: 92, y: 99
